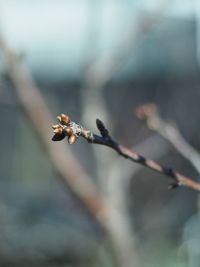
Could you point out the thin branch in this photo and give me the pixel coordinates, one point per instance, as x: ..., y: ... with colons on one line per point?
x: 119, y: 177
x: 73, y: 130
x: 149, y: 112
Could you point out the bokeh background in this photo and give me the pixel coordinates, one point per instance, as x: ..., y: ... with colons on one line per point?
x: 97, y: 59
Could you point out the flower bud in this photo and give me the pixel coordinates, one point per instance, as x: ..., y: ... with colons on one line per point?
x: 68, y: 131
x: 72, y: 139
x: 64, y: 119
x: 58, y: 130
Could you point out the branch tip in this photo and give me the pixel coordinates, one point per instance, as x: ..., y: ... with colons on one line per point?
x: 101, y: 127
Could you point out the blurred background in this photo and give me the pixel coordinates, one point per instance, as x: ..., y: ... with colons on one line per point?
x: 97, y: 59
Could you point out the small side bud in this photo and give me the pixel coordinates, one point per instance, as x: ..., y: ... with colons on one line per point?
x: 104, y: 132
x: 72, y: 139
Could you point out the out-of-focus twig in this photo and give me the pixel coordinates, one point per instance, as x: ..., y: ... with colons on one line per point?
x: 149, y: 113
x: 98, y: 72
x: 63, y: 129
x: 101, y: 69
x: 119, y: 176
x: 68, y: 168
x: 34, y: 107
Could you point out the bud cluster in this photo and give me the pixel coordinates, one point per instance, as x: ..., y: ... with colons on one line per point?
x: 66, y: 127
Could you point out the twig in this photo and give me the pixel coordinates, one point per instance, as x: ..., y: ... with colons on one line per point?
x: 73, y: 130
x: 149, y: 113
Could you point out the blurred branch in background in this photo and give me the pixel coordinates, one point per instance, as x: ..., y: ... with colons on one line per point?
x: 100, y: 70
x: 121, y: 172
x: 34, y: 107
x: 64, y: 163
x: 149, y: 113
